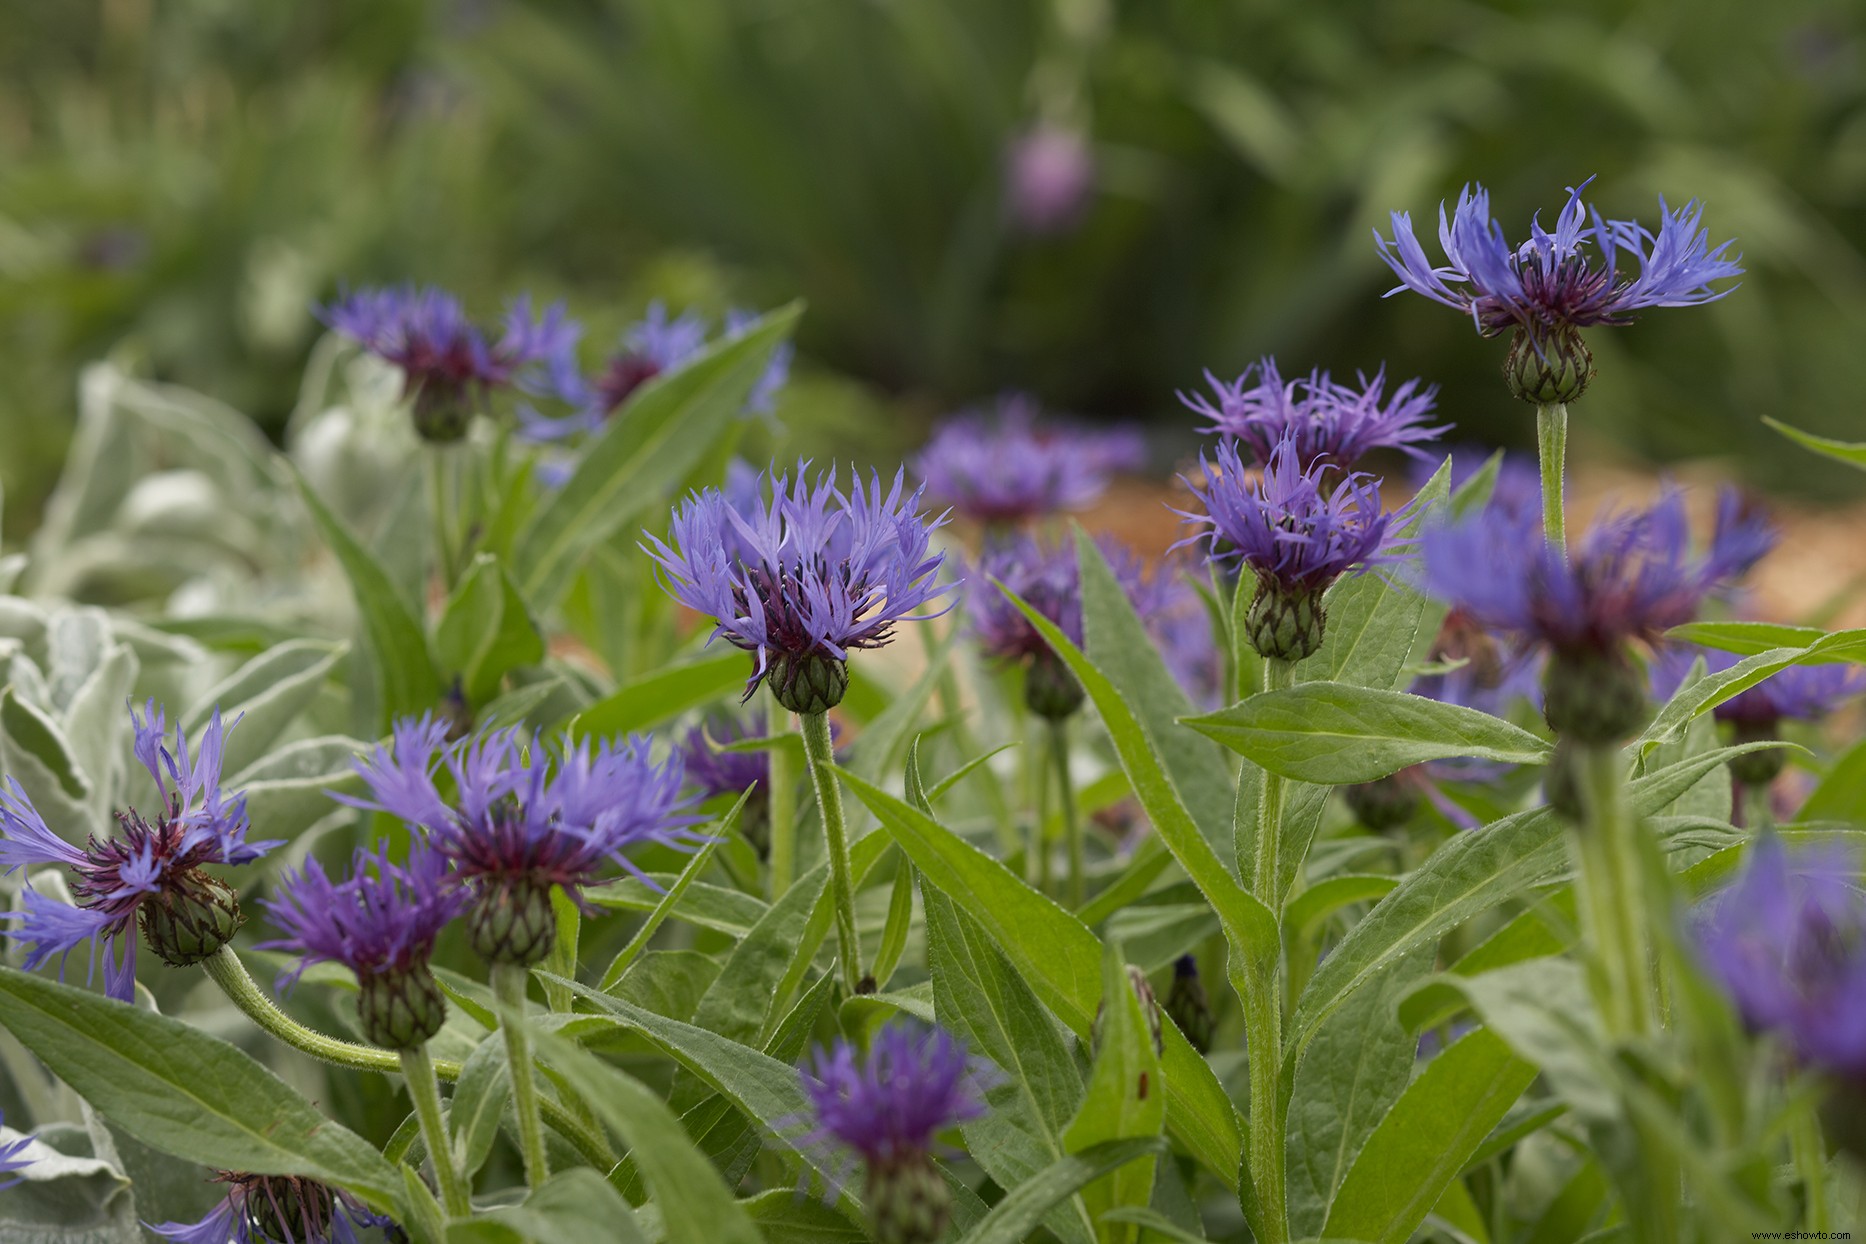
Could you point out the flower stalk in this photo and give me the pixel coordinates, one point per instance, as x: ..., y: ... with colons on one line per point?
x: 782, y: 809
x: 820, y: 754
x: 1552, y: 450
x: 1264, y: 1002
x: 1072, y: 823
x: 424, y: 1090
x: 509, y: 981
x: 1612, y: 895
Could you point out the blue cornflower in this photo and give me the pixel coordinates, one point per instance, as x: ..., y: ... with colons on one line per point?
x: 12, y: 1156
x: 1012, y: 466
x: 1558, y: 283
x: 1632, y: 578
x: 522, y: 822
x: 803, y: 578
x: 276, y: 1209
x: 1047, y: 577
x: 1295, y: 534
x: 884, y: 1111
x: 1789, y: 944
x: 448, y: 364
x: 381, y: 925
x: 1326, y: 419
x: 152, y: 873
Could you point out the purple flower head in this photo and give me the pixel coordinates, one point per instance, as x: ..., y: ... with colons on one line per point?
x: 1049, y: 173
x: 381, y: 919
x: 449, y: 365
x: 1046, y: 575
x: 276, y: 1209
x: 152, y: 870
x: 886, y: 1108
x: 1633, y: 576
x: 1797, y: 693
x: 713, y: 771
x: 1015, y: 467
x: 518, y: 811
x: 806, y: 576
x: 1325, y: 419
x: 1286, y: 526
x: 1743, y: 535
x: 12, y: 1157
x: 1789, y: 945
x: 1580, y: 275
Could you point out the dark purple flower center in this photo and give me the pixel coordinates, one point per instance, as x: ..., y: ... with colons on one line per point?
x: 625, y: 373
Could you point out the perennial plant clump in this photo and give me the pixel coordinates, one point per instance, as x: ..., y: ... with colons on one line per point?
x: 1353, y: 871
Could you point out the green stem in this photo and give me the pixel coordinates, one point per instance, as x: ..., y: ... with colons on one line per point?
x: 509, y: 981
x: 1037, y: 864
x: 425, y: 1091
x: 225, y: 970
x: 440, y: 470
x: 1613, y: 891
x: 1552, y: 448
x: 1808, y: 1150
x: 1072, y: 824
x: 1264, y: 1005
x: 1758, y: 808
x: 820, y: 755
x: 782, y: 802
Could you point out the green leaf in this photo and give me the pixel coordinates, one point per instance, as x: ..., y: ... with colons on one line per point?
x: 1423, y: 1142
x: 1337, y: 734
x: 703, y: 905
x: 265, y: 696
x: 637, y: 461
x: 479, y: 1100
x: 671, y: 899
x: 290, y: 789
x: 1121, y: 649
x: 1124, y: 1098
x: 181, y: 1091
x: 1711, y: 690
x: 1746, y: 638
x: 1248, y: 923
x: 694, y: 1201
x: 573, y: 1207
x: 420, y: 1214
x: 979, y: 996
x: 398, y: 643
x: 786, y: 1218
x: 30, y: 730
x: 66, y: 1196
x: 1326, y: 897
x: 1061, y: 961
x: 1346, y: 1080
x: 899, y: 924
x: 664, y: 695
x: 485, y: 631
x: 1852, y: 453
x: 1023, y: 1208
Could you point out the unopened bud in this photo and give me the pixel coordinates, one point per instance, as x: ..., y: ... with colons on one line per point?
x: 808, y: 684
x: 1051, y: 691
x: 1555, y: 368
x: 1188, y: 1005
x: 1284, y: 626
x: 511, y: 921
x: 400, y: 1010
x: 1758, y: 768
x: 1385, y: 803
x: 908, y: 1201
x: 1561, y: 783
x: 190, y: 917
x: 441, y: 413
x: 1594, y: 697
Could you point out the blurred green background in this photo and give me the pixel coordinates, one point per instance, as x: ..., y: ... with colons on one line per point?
x: 180, y: 179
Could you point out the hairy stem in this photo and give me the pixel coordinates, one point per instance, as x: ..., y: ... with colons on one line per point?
x: 424, y: 1090
x: 1264, y: 1003
x: 782, y: 810
x: 1613, y: 895
x: 1552, y: 448
x: 1072, y: 823
x: 440, y: 467
x: 820, y: 755
x: 225, y: 970
x: 1808, y: 1149
x: 509, y: 981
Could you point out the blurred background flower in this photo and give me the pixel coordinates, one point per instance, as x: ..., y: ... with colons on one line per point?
x: 1090, y: 201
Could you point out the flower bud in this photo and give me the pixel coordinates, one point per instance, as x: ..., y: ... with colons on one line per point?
x: 908, y: 1201
x: 511, y: 921
x: 441, y: 414
x: 1385, y: 803
x: 808, y: 684
x: 1190, y: 1009
x: 400, y: 1010
x: 1284, y: 625
x: 1050, y: 690
x: 1762, y: 767
x: 1561, y: 784
x: 1557, y: 372
x: 1594, y: 697
x: 190, y: 917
